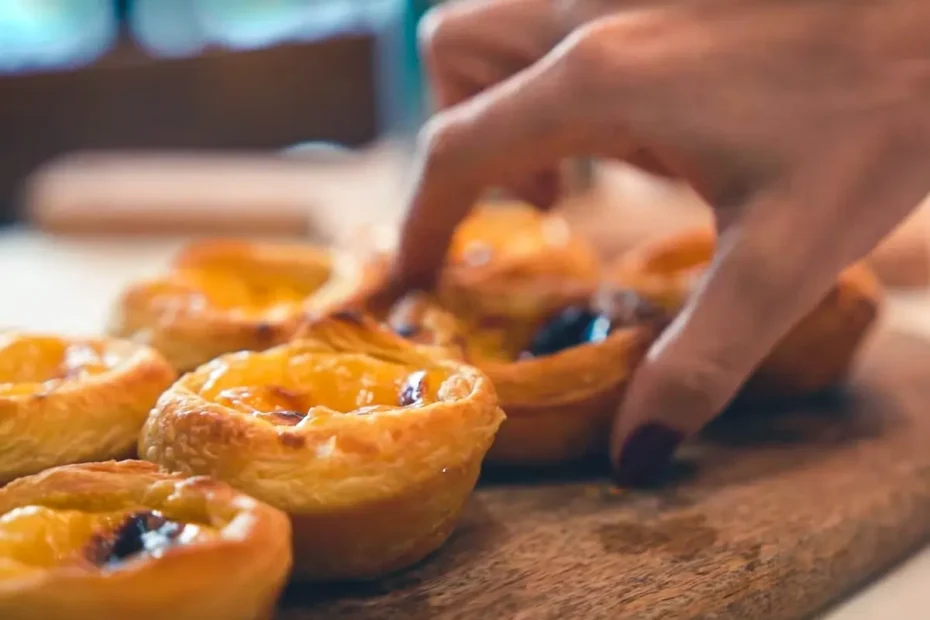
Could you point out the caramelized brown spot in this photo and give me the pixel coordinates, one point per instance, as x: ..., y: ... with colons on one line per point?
x: 413, y: 389
x: 284, y: 418
x: 493, y: 321
x: 291, y: 440
x: 264, y: 331
x: 349, y: 316
x: 140, y: 532
x: 294, y: 400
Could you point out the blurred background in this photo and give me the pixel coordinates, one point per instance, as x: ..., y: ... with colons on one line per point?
x: 127, y: 126
x: 255, y: 117
x: 217, y: 116
x: 100, y: 78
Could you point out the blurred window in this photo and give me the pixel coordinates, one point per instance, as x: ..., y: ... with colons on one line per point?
x: 80, y: 75
x: 40, y: 35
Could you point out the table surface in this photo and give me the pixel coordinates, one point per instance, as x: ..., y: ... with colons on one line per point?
x: 66, y: 284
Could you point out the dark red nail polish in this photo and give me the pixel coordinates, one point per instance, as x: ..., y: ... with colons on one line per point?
x: 646, y: 453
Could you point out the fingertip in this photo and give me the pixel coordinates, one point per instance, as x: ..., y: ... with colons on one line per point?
x: 645, y: 454
x: 671, y: 396
x: 381, y: 298
x: 439, y: 199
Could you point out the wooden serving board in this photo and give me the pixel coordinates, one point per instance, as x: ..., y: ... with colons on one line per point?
x: 770, y: 515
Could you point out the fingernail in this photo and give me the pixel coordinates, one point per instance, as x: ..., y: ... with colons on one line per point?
x: 646, y: 453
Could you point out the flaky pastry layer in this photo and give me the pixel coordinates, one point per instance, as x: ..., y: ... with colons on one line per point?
x: 68, y: 400
x: 362, y: 423
x: 815, y: 355
x: 224, y: 296
x: 510, y: 269
x: 559, y: 406
x: 232, y: 566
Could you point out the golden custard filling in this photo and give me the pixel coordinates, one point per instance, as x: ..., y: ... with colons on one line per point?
x: 248, y: 287
x: 308, y: 386
x: 36, y: 537
x: 512, y: 238
x: 421, y: 319
x: 31, y: 364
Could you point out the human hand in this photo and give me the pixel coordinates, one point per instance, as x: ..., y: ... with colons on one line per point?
x: 804, y: 125
x: 471, y: 46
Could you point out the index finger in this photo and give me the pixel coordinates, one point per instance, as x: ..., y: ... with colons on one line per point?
x: 517, y: 127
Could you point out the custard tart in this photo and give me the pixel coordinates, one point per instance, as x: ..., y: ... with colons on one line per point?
x: 225, y: 296
x: 121, y: 540
x: 815, y: 355
x: 68, y: 400
x: 509, y: 258
x: 371, y: 444
x: 559, y: 376
x: 515, y: 298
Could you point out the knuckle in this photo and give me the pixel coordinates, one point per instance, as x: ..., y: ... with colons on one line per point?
x: 436, y: 141
x: 437, y: 32
x: 621, y: 51
x: 588, y: 58
x: 585, y: 48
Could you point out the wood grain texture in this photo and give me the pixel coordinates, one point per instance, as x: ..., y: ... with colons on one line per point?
x: 771, y: 515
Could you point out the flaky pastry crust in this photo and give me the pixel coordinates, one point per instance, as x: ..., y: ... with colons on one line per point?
x: 225, y: 556
x: 559, y: 406
x: 509, y: 270
x: 372, y: 445
x: 223, y: 296
x: 815, y: 355
x: 69, y: 400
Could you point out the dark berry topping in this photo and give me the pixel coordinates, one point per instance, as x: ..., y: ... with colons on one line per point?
x: 405, y: 330
x: 141, y: 532
x: 413, y: 389
x: 264, y: 331
x: 572, y: 327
